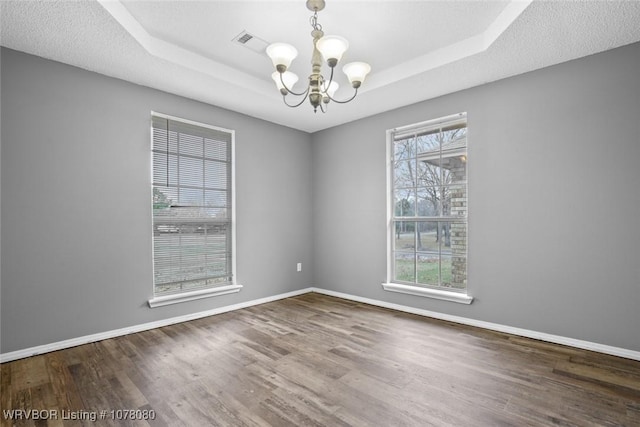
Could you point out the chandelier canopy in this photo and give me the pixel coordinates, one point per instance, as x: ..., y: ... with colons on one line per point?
x: 320, y: 91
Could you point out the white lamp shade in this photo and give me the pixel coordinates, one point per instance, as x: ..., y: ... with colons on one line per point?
x: 333, y: 87
x: 332, y: 47
x: 356, y: 71
x: 288, y: 77
x: 281, y: 54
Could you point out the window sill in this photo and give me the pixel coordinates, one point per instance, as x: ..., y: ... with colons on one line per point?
x: 428, y: 293
x: 193, y: 295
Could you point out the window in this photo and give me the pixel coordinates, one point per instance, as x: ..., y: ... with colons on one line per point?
x: 193, y: 210
x: 428, y: 209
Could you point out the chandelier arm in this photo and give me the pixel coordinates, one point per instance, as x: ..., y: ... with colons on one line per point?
x: 345, y: 101
x: 324, y: 108
x: 290, y: 91
x: 306, y: 95
x: 326, y: 85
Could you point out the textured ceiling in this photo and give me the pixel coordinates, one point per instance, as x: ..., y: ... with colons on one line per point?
x: 418, y: 49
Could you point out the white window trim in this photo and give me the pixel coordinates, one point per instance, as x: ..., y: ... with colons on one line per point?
x: 389, y: 285
x: 193, y: 295
x: 159, y: 301
x: 459, y: 297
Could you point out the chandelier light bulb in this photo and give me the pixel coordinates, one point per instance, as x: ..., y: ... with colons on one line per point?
x: 331, y: 90
x: 281, y: 55
x: 289, y: 79
x: 332, y: 48
x: 356, y: 72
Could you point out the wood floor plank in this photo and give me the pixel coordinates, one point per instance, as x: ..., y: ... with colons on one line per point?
x: 622, y: 381
x: 314, y: 360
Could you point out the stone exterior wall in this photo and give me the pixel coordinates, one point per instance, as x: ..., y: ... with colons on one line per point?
x: 458, y: 173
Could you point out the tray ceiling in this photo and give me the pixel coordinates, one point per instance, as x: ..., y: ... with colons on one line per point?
x: 417, y: 49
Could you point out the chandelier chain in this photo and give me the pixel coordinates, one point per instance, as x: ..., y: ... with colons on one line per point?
x: 314, y: 22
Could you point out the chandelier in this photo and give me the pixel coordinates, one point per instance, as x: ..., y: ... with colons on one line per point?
x: 320, y: 91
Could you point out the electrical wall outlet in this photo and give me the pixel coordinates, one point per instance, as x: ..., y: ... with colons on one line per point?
x: 299, y: 266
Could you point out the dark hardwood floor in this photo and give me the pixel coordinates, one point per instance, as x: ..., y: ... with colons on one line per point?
x: 315, y: 360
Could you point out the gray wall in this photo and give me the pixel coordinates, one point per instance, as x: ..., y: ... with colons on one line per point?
x: 554, y: 231
x: 76, y: 219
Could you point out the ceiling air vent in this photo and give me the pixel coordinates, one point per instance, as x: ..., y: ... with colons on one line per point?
x: 250, y: 41
x: 244, y: 38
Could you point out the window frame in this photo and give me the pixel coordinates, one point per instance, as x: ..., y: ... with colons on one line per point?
x: 414, y: 288
x: 162, y: 299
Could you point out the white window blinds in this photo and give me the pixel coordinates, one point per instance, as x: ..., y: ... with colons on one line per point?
x: 192, y: 205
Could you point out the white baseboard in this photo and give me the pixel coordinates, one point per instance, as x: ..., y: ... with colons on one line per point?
x: 60, y: 345
x: 556, y: 339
